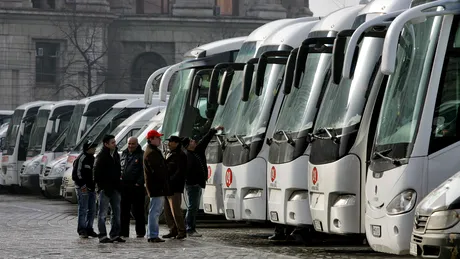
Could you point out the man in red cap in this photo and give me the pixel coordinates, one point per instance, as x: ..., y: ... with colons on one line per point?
x: 156, y: 183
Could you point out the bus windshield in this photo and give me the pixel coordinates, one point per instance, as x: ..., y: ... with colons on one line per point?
x: 300, y: 106
x: 177, y: 101
x: 38, y: 132
x: 226, y: 113
x: 74, y: 126
x: 13, y: 129
x: 405, y: 94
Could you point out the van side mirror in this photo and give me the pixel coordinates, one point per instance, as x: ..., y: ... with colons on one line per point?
x: 289, y: 71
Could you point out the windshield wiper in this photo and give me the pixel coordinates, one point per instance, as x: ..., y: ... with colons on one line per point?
x: 289, y: 139
x: 330, y: 135
x: 380, y: 154
x: 241, y: 142
x: 221, y: 142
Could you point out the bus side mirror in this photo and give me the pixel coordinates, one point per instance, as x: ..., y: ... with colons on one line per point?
x: 227, y: 80
x: 247, y: 81
x: 302, y: 54
x: 338, y: 54
x: 248, y: 74
x: 310, y: 46
x: 214, y: 82
x: 196, y: 86
x: 269, y: 57
x: 289, y: 71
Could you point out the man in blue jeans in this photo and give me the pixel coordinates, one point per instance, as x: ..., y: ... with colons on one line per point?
x: 156, y: 183
x: 82, y: 175
x: 197, y: 174
x: 107, y: 175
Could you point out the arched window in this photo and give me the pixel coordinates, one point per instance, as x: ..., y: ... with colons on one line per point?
x: 144, y: 65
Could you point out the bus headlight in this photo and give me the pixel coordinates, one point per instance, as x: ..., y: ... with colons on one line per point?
x: 442, y: 220
x: 32, y: 168
x: 345, y: 200
x: 58, y: 170
x: 402, y: 203
x: 253, y: 193
x: 299, y: 195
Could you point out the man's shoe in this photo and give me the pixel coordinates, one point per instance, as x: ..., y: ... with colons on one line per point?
x: 194, y: 234
x: 105, y: 240
x: 83, y: 235
x: 170, y: 235
x: 92, y: 234
x: 181, y: 236
x: 119, y: 240
x: 155, y: 240
x: 276, y: 237
x: 140, y: 236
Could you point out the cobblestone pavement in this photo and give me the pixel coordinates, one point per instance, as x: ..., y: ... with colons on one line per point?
x: 34, y: 227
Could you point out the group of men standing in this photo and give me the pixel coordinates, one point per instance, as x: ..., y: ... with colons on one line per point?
x: 122, y: 183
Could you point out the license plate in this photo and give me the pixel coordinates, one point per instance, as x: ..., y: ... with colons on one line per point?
x: 413, y: 249
x: 230, y: 213
x: 376, y: 231
x: 317, y: 225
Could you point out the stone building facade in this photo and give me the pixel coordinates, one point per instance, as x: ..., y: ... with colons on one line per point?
x: 67, y: 49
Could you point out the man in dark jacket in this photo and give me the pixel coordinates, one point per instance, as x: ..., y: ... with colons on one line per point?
x: 197, y: 174
x: 133, y: 190
x: 176, y: 161
x: 107, y: 174
x: 82, y: 175
x: 156, y: 183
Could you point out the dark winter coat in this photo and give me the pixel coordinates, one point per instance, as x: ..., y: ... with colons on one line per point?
x: 176, y: 161
x: 155, y: 172
x: 107, y: 171
x: 132, y: 166
x: 197, y: 168
x: 82, y: 172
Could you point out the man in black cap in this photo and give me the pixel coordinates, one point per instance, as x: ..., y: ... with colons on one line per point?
x: 176, y: 161
x: 82, y: 175
x: 197, y: 174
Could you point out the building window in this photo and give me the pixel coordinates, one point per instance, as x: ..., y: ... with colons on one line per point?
x: 226, y: 7
x: 152, y: 6
x: 44, y: 4
x: 139, y: 6
x: 46, y: 59
x: 51, y: 4
x: 37, y: 3
x: 143, y: 66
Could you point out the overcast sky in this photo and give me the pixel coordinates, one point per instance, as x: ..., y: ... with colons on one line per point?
x: 324, y: 7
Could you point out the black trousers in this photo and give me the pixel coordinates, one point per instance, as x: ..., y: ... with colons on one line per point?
x: 132, y: 197
x: 283, y: 230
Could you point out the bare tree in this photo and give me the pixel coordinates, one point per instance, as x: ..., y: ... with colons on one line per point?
x: 84, y: 66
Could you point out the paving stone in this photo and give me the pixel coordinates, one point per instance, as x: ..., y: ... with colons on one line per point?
x: 34, y: 227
